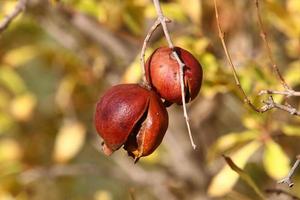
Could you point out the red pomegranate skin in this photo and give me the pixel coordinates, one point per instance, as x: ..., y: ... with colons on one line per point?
x: 133, y: 116
x: 154, y: 127
x: 162, y: 72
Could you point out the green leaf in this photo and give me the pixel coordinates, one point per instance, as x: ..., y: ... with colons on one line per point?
x: 275, y: 161
x: 225, y: 180
x: 244, y: 176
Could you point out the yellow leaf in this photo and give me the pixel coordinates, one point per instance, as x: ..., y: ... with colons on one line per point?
x: 134, y: 72
x: 11, y: 80
x: 291, y: 130
x: 22, y: 107
x: 103, y: 195
x: 193, y: 9
x: 244, y: 176
x: 228, y: 141
x: 10, y: 150
x: 225, y: 180
x: 21, y: 55
x: 276, y: 162
x: 69, y: 141
x: 64, y: 92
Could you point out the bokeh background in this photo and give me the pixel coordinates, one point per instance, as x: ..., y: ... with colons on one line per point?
x: 59, y: 57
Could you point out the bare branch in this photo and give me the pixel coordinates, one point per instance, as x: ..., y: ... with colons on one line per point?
x: 21, y: 5
x: 162, y: 20
x: 287, y: 93
x: 287, y: 180
x: 270, y: 104
x: 229, y: 59
x: 267, y: 45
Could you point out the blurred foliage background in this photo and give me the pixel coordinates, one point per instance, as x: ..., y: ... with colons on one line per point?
x: 58, y: 58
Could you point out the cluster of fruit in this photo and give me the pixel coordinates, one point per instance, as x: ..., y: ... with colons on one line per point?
x: 134, y: 116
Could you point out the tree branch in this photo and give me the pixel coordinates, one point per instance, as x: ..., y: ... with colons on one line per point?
x: 287, y: 180
x: 287, y: 93
x: 229, y: 59
x: 264, y: 36
x: 268, y: 104
x: 21, y: 5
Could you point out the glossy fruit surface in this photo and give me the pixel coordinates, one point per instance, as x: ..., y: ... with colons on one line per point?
x: 131, y: 116
x: 162, y: 72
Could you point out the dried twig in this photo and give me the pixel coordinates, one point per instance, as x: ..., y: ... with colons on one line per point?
x: 287, y: 180
x: 21, y: 5
x: 280, y: 191
x: 264, y: 36
x: 228, y: 56
x: 162, y: 20
x: 268, y: 104
x: 288, y: 92
x: 146, y: 40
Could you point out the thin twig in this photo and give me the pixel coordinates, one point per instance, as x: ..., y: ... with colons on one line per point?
x: 146, y: 41
x: 21, y: 5
x: 270, y: 104
x: 264, y: 36
x: 288, y: 179
x: 287, y: 93
x: 162, y: 20
x: 280, y: 191
x: 229, y: 59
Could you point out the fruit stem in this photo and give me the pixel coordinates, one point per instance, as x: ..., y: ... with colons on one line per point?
x: 143, y: 52
x: 162, y: 20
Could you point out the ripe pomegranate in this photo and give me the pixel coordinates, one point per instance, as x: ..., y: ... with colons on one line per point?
x: 162, y: 72
x: 131, y: 116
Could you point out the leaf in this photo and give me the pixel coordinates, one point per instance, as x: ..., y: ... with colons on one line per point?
x: 291, y: 77
x: 6, y: 122
x: 225, y: 180
x: 228, y: 141
x: 134, y: 18
x: 133, y: 72
x: 22, y: 106
x: 11, y: 80
x: 291, y: 130
x: 244, y: 176
x: 103, y: 195
x: 275, y: 161
x: 193, y: 9
x: 10, y: 150
x: 69, y: 141
x: 64, y: 92
x: 21, y: 55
